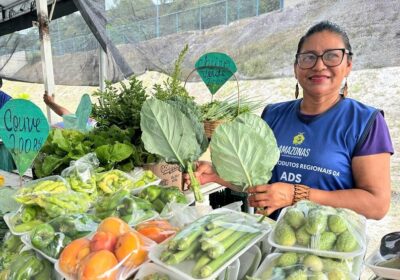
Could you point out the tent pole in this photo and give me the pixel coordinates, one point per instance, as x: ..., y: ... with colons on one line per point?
x: 45, y: 48
x: 102, y: 68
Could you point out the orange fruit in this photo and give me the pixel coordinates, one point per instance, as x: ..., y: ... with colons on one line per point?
x: 114, y: 225
x: 73, y: 254
x: 130, y: 249
x: 100, y: 265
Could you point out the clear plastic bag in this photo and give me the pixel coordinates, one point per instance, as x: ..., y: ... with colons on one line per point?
x: 115, y: 251
x: 125, y: 205
x: 202, y: 249
x: 164, y: 199
x: 33, y: 191
x: 114, y: 180
x: 156, y: 230
x: 81, y: 175
x: 49, y: 239
x: 289, y: 265
x: 142, y: 179
x: 25, y: 219
x: 321, y: 230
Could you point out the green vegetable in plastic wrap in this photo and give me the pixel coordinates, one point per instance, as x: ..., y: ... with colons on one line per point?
x: 327, y: 241
x: 303, y: 237
x: 313, y: 262
x: 285, y: 235
x: 346, y: 242
x: 297, y: 275
x: 295, y: 218
x: 338, y: 274
x: 42, y: 235
x: 318, y: 276
x: 287, y: 259
x: 316, y: 221
x: 337, y: 224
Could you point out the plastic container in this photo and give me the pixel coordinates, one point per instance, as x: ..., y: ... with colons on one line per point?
x: 287, y: 237
x: 142, y: 179
x: 33, y: 189
x: 124, y: 269
x: 151, y: 268
x: 384, y: 272
x: 249, y: 262
x: 67, y: 229
x: 229, y: 218
x: 13, y: 218
x: 271, y: 261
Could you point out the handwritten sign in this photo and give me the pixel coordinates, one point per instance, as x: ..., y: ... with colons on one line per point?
x: 24, y: 130
x: 215, y: 69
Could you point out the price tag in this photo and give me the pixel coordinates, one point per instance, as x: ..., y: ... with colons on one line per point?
x: 24, y: 130
x: 215, y: 69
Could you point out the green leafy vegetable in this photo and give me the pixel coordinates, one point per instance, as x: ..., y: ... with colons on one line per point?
x: 169, y: 133
x: 244, y: 151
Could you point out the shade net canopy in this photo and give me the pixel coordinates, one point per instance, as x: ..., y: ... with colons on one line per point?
x: 141, y: 35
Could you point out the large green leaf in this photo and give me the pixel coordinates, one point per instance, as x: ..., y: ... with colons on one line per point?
x: 188, y: 107
x: 258, y: 125
x: 242, y: 156
x: 168, y: 132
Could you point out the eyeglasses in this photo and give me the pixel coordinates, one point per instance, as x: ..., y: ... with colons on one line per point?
x: 330, y: 58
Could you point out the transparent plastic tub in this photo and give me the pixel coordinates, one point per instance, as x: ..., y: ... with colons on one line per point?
x: 249, y: 262
x: 121, y: 270
x: 184, y: 269
x: 41, y: 187
x: 230, y: 273
x: 351, y: 268
x: 143, y: 179
x: 292, y: 231
x: 384, y: 272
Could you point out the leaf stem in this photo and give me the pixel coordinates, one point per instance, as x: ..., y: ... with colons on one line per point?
x: 194, y: 183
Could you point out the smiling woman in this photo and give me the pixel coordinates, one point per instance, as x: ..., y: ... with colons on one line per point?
x: 348, y: 143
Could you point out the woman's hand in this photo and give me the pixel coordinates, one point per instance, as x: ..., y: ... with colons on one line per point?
x: 205, y: 173
x: 272, y: 196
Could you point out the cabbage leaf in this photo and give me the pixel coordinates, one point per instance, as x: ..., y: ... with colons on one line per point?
x: 244, y: 152
x: 167, y: 132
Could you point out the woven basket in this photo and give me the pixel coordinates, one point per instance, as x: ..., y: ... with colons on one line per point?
x: 210, y: 126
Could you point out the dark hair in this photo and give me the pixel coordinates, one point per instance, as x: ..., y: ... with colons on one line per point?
x: 1, y: 82
x: 326, y: 26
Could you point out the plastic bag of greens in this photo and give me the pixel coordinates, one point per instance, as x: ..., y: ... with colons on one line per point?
x: 125, y: 205
x: 204, y: 248
x: 289, y: 265
x: 34, y: 190
x: 143, y: 179
x: 81, y: 175
x: 311, y: 228
x: 49, y: 239
x: 25, y: 219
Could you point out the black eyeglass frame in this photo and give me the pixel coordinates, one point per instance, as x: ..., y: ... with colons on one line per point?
x: 344, y: 51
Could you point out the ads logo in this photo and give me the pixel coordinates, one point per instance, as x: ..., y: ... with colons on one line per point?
x: 298, y: 139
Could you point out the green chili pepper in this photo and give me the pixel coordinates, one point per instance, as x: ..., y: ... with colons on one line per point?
x: 42, y: 236
x: 28, y: 214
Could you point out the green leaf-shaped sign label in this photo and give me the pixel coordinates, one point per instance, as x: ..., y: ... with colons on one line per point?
x: 83, y: 111
x: 24, y: 130
x: 215, y: 69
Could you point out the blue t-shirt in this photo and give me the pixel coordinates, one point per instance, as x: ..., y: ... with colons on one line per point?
x: 317, y: 151
x: 4, y: 97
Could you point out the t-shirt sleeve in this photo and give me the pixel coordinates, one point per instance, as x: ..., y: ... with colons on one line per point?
x: 378, y: 139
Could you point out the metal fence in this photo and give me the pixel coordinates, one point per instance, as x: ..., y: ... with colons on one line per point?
x: 221, y: 12
x: 201, y: 17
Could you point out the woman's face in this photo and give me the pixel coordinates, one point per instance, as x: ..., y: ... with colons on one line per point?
x: 322, y: 80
